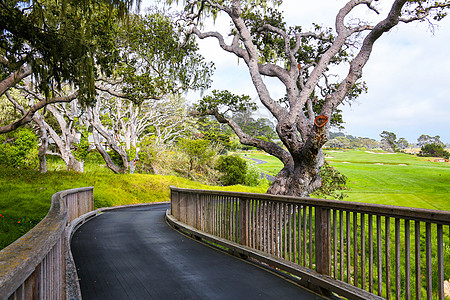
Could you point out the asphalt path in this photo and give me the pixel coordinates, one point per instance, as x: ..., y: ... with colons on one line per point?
x: 263, y: 175
x: 131, y: 253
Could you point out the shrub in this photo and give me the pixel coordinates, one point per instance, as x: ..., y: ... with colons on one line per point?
x: 334, y: 183
x: 253, y: 176
x: 20, y: 150
x: 234, y: 169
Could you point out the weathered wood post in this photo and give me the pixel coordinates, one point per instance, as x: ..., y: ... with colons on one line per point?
x: 198, y: 211
x: 323, y: 240
x: 243, y: 222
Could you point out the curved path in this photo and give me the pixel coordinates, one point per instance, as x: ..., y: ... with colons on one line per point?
x: 131, y: 253
x: 257, y: 161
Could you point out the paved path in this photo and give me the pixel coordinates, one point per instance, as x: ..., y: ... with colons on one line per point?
x: 263, y: 175
x: 131, y: 253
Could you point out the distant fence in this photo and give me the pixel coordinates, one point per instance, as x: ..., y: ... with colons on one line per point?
x: 34, y: 267
x: 356, y: 250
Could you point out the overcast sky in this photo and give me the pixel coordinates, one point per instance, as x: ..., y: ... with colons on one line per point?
x: 408, y: 74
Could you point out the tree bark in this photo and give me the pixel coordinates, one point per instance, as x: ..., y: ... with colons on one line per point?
x: 14, y: 78
x: 65, y: 142
x: 44, y: 144
x: 109, y: 163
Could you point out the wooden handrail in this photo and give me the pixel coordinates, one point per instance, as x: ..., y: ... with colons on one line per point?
x: 420, y: 214
x: 33, y: 267
x: 364, y: 249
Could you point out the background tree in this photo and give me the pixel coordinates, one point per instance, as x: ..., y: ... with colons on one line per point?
x: 261, y: 128
x: 434, y: 150
x: 402, y: 143
x: 16, y: 107
x: 69, y: 129
x: 19, y: 149
x: 56, y: 42
x: 302, y: 61
x: 340, y: 142
x: 234, y: 169
x: 215, y: 132
x: 425, y: 139
x: 155, y: 62
x: 199, y: 153
x: 389, y: 141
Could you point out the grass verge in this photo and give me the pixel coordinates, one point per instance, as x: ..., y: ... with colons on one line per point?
x: 25, y: 195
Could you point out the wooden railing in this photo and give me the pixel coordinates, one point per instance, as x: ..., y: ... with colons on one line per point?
x: 34, y: 267
x: 360, y: 250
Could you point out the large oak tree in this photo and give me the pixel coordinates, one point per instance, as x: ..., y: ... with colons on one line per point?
x: 302, y: 61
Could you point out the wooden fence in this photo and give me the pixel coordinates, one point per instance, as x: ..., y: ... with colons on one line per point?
x: 386, y: 251
x: 34, y: 267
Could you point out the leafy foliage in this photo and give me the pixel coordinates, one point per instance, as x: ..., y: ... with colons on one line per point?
x: 82, y: 147
x: 261, y: 128
x: 198, y: 152
x: 425, y: 139
x: 215, y: 132
x: 19, y: 149
x: 334, y: 183
x: 253, y: 175
x: 60, y: 40
x: 234, y: 169
x: 434, y: 150
x: 156, y: 61
x: 222, y: 102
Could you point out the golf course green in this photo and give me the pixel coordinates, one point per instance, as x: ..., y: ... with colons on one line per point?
x: 384, y: 178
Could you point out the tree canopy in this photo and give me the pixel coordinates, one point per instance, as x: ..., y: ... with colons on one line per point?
x: 57, y: 41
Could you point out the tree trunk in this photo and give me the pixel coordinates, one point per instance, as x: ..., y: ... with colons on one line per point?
x: 75, y: 164
x: 44, y: 142
x: 42, y: 150
x: 133, y: 162
x: 296, y: 180
x: 71, y: 162
x: 109, y: 163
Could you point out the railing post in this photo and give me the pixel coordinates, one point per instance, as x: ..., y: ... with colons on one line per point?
x: 243, y: 221
x: 323, y: 240
x: 198, y: 212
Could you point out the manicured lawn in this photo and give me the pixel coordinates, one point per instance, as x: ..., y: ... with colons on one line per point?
x: 393, y: 179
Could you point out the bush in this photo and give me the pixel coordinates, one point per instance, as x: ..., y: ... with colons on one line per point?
x: 191, y: 159
x: 234, y: 169
x: 253, y: 176
x: 20, y: 150
x: 334, y: 183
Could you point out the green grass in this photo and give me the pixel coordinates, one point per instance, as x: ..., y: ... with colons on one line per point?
x: 25, y: 195
x: 273, y: 165
x: 392, y: 179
